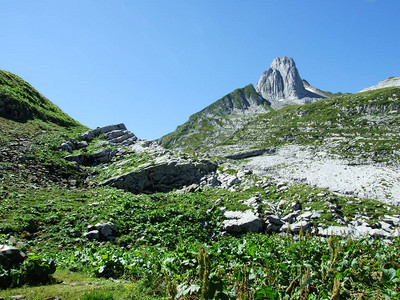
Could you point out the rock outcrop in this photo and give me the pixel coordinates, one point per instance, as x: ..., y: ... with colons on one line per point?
x: 163, y: 175
x: 114, y: 134
x: 281, y: 84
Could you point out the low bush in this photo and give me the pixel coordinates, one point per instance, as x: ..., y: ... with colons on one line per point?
x: 34, y: 270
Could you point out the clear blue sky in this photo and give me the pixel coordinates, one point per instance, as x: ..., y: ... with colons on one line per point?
x: 151, y: 64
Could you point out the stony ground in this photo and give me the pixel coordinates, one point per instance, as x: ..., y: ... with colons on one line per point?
x: 296, y: 163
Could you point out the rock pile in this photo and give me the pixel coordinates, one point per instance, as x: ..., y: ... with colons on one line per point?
x: 274, y: 220
x: 102, y: 232
x: 114, y: 135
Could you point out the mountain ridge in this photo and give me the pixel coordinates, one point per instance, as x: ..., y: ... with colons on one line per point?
x: 226, y: 115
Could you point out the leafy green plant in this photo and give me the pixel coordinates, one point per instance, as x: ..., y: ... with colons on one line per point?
x: 34, y: 270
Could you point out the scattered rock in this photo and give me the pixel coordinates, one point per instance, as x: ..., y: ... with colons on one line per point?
x: 67, y: 146
x: 241, y: 222
x: 296, y: 227
x: 254, y: 203
x: 18, y: 297
x: 290, y: 218
x: 395, y: 221
x: 274, y: 219
x: 102, y: 231
x: 251, y: 153
x: 189, y: 189
x: 296, y: 206
x: 100, y: 157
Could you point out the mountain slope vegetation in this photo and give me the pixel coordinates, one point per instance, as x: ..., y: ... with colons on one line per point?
x: 363, y: 126
x: 20, y: 102
x: 218, y: 120
x: 179, y: 244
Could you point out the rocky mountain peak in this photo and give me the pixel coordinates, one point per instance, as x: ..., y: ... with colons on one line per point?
x: 281, y: 84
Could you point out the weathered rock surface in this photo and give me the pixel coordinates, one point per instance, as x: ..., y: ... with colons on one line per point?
x: 100, y: 157
x: 241, y: 222
x: 164, y: 175
x: 281, y: 84
x: 102, y: 231
x: 91, y: 134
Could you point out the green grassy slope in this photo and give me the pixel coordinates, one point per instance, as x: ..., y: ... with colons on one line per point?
x: 19, y: 101
x: 218, y: 120
x: 31, y: 130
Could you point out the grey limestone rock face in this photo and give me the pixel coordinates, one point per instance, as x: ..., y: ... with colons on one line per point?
x: 162, y: 176
x: 281, y: 84
x: 100, y: 157
x: 91, y: 134
x: 241, y: 222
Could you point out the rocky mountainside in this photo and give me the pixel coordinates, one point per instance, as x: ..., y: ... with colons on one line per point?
x: 221, y: 118
x: 342, y: 135
x: 107, y: 203
x: 281, y: 84
x: 241, y: 101
x: 388, y: 82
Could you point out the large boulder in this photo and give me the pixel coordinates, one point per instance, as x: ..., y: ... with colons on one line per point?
x: 162, y: 176
x: 241, y: 222
x: 102, y: 231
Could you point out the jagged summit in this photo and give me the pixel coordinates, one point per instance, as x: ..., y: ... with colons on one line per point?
x: 281, y: 84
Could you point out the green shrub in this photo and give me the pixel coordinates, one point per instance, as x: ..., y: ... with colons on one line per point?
x: 33, y: 270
